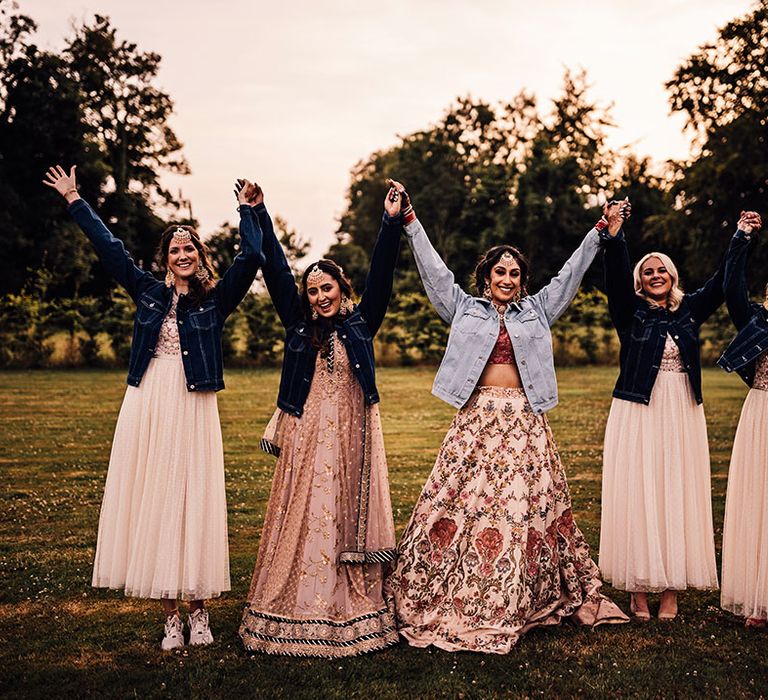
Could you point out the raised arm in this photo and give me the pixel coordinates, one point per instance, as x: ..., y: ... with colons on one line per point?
x: 237, y: 280
x: 556, y: 296
x: 735, y: 276
x: 111, y: 251
x: 378, y: 285
x: 277, y: 273
x: 437, y: 279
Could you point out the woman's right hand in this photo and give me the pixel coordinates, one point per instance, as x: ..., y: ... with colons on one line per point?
x: 65, y: 185
x: 750, y: 222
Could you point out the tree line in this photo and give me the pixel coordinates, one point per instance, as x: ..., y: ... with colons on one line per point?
x: 522, y: 172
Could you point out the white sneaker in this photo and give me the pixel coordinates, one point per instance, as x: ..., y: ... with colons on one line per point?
x: 199, y: 631
x: 174, y: 633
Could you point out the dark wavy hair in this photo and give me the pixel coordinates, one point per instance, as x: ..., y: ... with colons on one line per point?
x: 198, y: 290
x: 490, y: 258
x: 323, y: 327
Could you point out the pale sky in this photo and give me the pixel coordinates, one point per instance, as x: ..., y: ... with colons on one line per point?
x: 293, y: 94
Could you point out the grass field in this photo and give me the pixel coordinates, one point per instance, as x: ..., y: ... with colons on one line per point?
x: 61, y: 638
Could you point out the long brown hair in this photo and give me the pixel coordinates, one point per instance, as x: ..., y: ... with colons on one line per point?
x: 323, y: 327
x: 198, y: 289
x: 491, y: 257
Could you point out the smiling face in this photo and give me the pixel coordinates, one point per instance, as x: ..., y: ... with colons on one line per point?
x: 504, y: 280
x: 656, y: 280
x: 183, y: 259
x: 324, y: 295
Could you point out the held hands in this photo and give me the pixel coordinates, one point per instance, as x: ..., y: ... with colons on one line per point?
x: 615, y: 213
x: 750, y: 222
x: 397, y: 199
x: 248, y: 192
x: 65, y: 185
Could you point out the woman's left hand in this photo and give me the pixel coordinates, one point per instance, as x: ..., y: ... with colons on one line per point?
x: 393, y: 200
x: 248, y: 192
x: 616, y: 213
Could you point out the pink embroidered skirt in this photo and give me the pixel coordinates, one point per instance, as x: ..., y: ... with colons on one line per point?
x: 492, y: 550
x: 317, y: 589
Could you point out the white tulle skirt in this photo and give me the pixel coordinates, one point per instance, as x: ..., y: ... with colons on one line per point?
x: 656, y: 526
x: 745, y: 535
x: 163, y: 523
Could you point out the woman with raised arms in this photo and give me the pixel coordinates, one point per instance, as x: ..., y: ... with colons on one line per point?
x: 745, y: 533
x: 492, y: 549
x: 163, y: 522
x: 328, y: 532
x: 656, y: 531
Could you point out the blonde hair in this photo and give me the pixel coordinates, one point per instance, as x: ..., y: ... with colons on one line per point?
x: 765, y: 301
x: 675, y: 295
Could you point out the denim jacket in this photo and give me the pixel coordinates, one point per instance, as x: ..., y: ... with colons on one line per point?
x: 643, y: 329
x: 750, y: 319
x: 356, y: 331
x: 199, y: 327
x: 475, y: 323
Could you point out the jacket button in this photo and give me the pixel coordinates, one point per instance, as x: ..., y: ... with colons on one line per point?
x: 152, y: 305
x: 530, y: 386
x: 191, y: 386
x: 357, y: 366
x: 185, y: 353
x: 517, y: 335
x: 344, y: 336
x: 200, y: 309
x: 181, y: 323
x: 676, y: 337
x: 522, y: 362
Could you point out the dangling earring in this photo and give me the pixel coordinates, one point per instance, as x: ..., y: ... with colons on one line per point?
x: 201, y: 273
x: 170, y: 279
x: 314, y: 314
x: 346, y: 304
x: 517, y: 295
x: 487, y: 293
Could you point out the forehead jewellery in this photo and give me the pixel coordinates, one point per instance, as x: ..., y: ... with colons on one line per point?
x: 315, y: 274
x: 181, y: 236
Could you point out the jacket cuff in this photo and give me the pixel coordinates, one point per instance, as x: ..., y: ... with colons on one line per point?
x: 605, y: 236
x: 77, y: 204
x: 388, y: 220
x: 742, y: 235
x: 258, y: 208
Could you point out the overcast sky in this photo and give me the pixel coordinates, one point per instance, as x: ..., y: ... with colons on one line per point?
x: 293, y: 94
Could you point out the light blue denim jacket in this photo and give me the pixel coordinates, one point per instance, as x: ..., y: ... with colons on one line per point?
x: 475, y: 323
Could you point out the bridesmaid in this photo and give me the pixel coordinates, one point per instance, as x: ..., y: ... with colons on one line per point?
x: 492, y: 549
x: 163, y: 522
x: 328, y: 532
x: 656, y: 531
x: 745, y: 534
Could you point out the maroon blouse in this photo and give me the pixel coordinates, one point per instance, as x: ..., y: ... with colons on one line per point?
x: 502, y: 354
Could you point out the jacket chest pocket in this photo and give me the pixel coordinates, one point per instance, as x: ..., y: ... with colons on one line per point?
x: 203, y: 318
x: 530, y: 324
x: 149, y: 311
x: 641, y: 328
x: 359, y: 329
x: 298, y: 340
x: 471, y: 321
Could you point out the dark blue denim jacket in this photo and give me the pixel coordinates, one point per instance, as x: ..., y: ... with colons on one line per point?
x: 356, y: 331
x: 643, y: 329
x: 199, y: 327
x: 750, y: 319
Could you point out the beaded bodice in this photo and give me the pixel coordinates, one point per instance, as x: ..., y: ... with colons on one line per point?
x: 670, y: 359
x: 502, y: 353
x: 168, y: 340
x: 761, y: 373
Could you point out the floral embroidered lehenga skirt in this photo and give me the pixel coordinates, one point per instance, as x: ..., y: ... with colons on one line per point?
x: 317, y: 589
x: 492, y: 550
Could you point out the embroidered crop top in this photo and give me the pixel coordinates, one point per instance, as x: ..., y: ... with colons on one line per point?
x: 761, y: 373
x: 168, y: 340
x: 502, y: 354
x: 670, y: 359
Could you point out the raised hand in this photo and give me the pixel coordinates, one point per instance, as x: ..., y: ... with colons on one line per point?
x: 616, y: 212
x: 398, y: 198
x: 248, y: 192
x: 65, y: 185
x: 750, y: 222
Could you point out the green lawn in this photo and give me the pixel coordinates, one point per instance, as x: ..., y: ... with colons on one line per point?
x: 59, y: 637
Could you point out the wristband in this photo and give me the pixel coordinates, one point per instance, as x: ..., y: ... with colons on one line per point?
x: 602, y: 224
x: 408, y: 214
